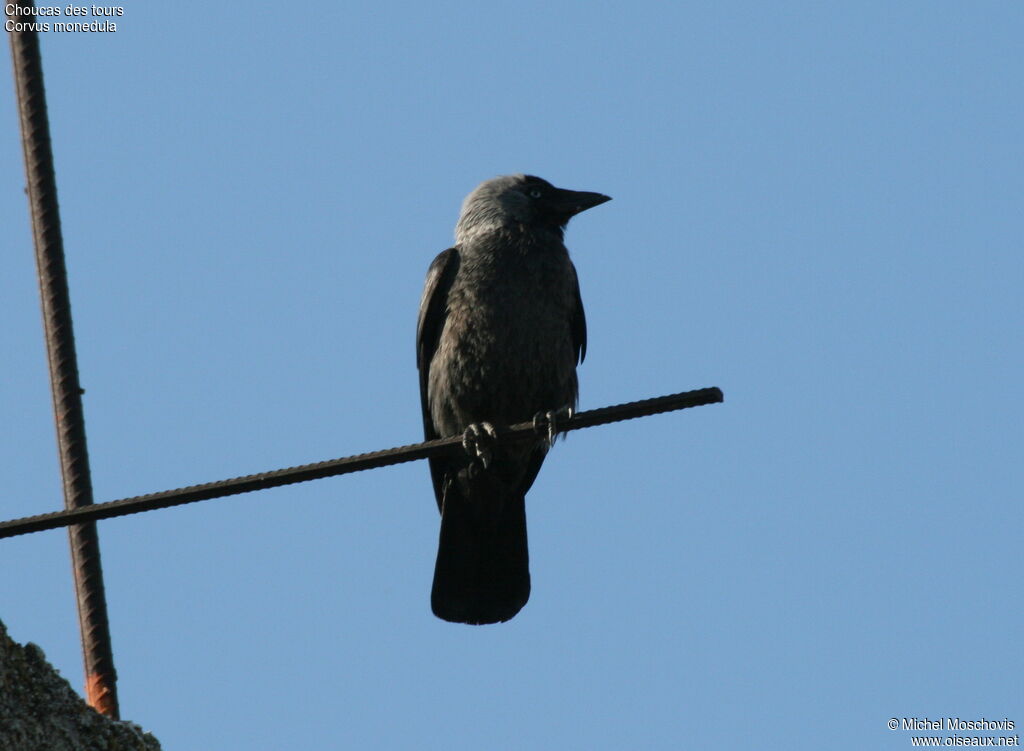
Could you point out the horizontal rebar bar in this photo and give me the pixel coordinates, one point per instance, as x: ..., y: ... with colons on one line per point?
x: 348, y: 464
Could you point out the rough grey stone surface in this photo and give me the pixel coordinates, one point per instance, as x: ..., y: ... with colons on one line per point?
x: 39, y: 711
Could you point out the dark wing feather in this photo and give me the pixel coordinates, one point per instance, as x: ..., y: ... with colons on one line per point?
x: 578, y: 329
x: 432, y: 316
x: 579, y: 321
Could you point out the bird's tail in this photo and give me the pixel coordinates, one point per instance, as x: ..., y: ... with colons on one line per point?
x: 482, y: 574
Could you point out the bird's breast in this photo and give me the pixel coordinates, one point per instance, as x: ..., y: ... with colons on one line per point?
x: 506, y: 350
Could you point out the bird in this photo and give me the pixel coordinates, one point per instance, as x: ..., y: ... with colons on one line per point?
x: 500, y: 331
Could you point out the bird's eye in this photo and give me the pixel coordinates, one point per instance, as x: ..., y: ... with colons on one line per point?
x: 535, y: 193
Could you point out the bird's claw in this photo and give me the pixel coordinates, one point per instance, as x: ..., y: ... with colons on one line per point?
x: 478, y: 441
x: 547, y: 422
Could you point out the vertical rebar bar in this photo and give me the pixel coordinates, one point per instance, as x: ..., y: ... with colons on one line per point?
x: 100, y: 677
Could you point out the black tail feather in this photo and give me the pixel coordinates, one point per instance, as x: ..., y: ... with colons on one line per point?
x: 482, y: 574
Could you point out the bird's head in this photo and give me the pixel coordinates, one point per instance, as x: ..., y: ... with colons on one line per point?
x: 521, y: 200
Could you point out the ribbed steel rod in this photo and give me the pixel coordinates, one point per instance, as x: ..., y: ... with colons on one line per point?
x: 100, y: 677
x: 348, y: 464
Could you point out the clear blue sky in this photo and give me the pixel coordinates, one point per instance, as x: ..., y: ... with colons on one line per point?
x: 818, y: 208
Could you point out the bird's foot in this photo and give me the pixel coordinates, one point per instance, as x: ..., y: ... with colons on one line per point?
x: 478, y: 441
x: 546, y: 423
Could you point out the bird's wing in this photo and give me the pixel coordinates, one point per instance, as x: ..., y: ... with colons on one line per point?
x: 433, y: 313
x: 578, y: 329
x: 579, y: 321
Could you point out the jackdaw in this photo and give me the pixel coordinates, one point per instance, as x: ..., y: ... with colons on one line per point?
x: 500, y: 332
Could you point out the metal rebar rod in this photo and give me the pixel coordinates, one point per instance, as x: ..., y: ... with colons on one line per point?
x: 348, y: 464
x: 100, y: 677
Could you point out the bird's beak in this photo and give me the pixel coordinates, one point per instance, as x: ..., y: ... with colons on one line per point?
x: 572, y: 202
